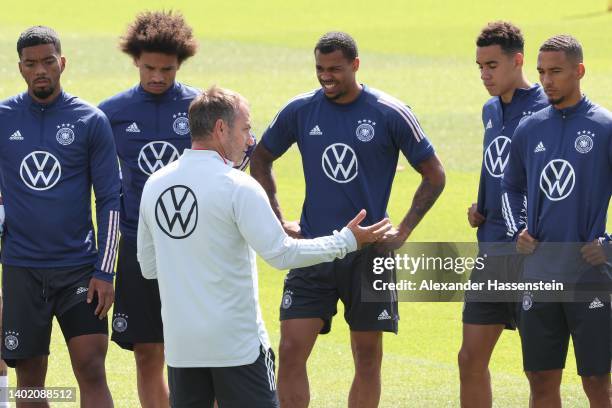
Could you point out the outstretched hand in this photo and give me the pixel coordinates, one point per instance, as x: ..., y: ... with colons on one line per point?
x: 366, y: 235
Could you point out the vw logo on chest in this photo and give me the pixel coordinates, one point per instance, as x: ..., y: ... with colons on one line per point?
x: 155, y: 155
x: 496, y: 156
x: 40, y: 170
x: 339, y: 163
x: 557, y: 179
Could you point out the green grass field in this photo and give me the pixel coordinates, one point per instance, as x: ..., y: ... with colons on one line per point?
x: 421, y: 52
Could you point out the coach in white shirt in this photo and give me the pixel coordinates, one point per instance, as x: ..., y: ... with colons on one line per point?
x: 201, y: 222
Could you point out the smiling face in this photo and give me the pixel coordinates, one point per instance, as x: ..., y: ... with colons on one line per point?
x: 336, y: 74
x: 499, y: 71
x: 560, y: 76
x: 157, y: 71
x: 41, y: 66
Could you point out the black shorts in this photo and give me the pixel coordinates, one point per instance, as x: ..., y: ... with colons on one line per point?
x: 484, y: 308
x: 251, y: 385
x: 546, y: 327
x: 137, y: 310
x: 33, y: 296
x: 313, y: 292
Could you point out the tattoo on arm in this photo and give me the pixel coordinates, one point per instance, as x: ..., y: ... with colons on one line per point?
x: 426, y: 195
x: 261, y: 170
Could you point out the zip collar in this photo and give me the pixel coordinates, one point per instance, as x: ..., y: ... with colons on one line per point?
x: 582, y: 105
x: 516, y: 106
x: 58, y: 101
x: 169, y: 94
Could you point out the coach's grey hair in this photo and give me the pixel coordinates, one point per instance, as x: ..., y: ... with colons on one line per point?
x: 566, y: 43
x: 211, y: 105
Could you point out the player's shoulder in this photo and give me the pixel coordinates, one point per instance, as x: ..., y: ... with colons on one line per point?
x: 186, y: 91
x: 85, y: 110
x: 119, y: 101
x: 491, y: 104
x: 537, y: 98
x: 12, y: 104
x: 600, y: 114
x: 530, y: 122
x: 302, y: 100
x: 383, y: 101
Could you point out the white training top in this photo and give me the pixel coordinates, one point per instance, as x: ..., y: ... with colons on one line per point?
x: 200, y: 222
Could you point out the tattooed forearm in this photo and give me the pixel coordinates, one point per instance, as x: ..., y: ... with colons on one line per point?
x: 426, y: 195
x: 261, y: 170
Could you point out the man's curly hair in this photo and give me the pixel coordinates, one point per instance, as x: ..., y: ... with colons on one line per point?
x: 159, y: 31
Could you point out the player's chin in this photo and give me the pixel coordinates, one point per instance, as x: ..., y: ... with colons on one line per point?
x: 331, y: 95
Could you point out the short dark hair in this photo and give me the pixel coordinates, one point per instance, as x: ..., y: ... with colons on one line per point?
x: 38, y: 35
x: 503, y: 33
x: 159, y: 31
x: 565, y: 43
x: 211, y: 105
x: 337, y: 40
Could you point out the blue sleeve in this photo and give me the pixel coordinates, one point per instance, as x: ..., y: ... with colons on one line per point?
x: 482, y: 191
x: 280, y: 135
x: 408, y: 135
x: 104, y: 174
x: 514, y: 186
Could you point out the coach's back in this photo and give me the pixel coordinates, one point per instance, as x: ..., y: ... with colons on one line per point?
x: 206, y: 270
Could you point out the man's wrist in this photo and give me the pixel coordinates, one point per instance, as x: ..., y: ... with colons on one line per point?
x: 104, y: 276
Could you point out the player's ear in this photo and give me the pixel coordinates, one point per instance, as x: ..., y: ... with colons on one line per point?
x: 62, y: 63
x: 581, y: 70
x: 355, y: 64
x: 519, y: 59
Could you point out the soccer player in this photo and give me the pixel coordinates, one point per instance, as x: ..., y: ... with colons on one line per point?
x: 196, y: 235
x: 500, y: 58
x: 349, y: 136
x: 150, y: 126
x: 57, y: 147
x: 561, y: 157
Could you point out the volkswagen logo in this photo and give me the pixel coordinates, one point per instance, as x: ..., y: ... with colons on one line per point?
x: 557, y: 179
x: 155, y: 155
x: 339, y: 163
x: 176, y: 212
x: 40, y: 170
x: 496, y: 156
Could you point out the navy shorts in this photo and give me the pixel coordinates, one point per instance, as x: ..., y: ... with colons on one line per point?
x: 480, y: 307
x: 546, y: 328
x: 313, y: 292
x: 137, y: 310
x: 33, y: 296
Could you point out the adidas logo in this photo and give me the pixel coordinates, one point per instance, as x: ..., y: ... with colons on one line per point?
x: 315, y: 131
x: 16, y: 136
x: 133, y: 128
x: 489, y: 125
x: 540, y: 148
x: 384, y: 315
x: 81, y: 290
x: 596, y: 303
